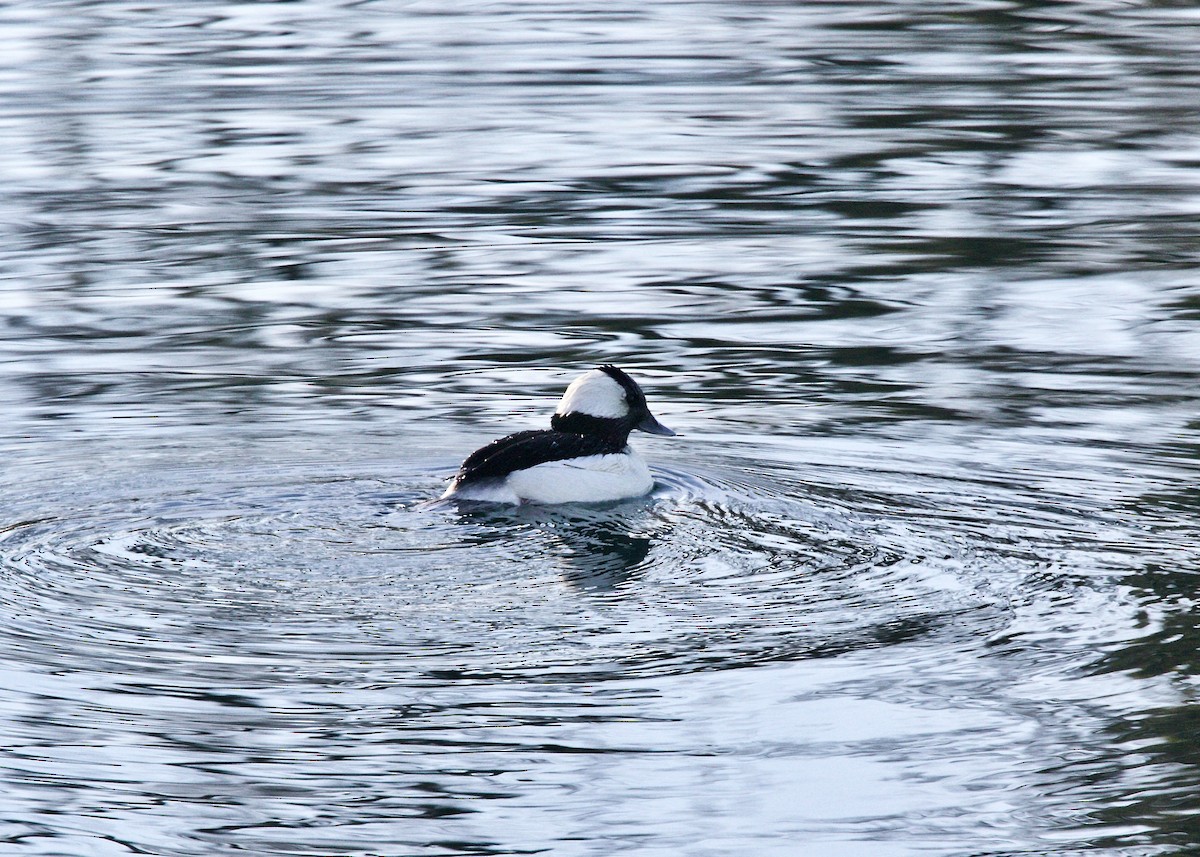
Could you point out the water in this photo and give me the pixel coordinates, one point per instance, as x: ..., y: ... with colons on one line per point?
x: 915, y: 282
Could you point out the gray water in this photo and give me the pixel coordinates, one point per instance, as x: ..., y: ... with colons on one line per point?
x: 916, y: 283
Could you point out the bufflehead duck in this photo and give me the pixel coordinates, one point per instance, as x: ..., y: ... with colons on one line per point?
x: 584, y: 457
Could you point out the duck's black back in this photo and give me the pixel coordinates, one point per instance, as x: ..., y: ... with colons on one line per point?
x: 530, y: 448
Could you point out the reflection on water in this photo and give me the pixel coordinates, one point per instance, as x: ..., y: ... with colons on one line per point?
x: 601, y: 549
x: 915, y: 282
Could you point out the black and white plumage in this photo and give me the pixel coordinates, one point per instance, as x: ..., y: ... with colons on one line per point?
x: 584, y: 457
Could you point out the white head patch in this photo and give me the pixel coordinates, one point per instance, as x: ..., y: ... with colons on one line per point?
x: 596, y: 394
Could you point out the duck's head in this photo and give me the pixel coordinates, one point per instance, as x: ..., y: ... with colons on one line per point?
x: 605, y: 401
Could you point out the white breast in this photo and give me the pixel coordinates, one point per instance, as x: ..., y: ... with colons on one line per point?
x: 590, y: 479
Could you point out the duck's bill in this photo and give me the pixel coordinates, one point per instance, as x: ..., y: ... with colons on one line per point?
x: 653, y: 426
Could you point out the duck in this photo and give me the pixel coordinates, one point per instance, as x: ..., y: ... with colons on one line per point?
x: 584, y: 457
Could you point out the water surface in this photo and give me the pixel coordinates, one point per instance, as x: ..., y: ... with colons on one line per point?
x: 916, y: 283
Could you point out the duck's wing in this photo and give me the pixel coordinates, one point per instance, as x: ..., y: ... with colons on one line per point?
x: 528, y: 449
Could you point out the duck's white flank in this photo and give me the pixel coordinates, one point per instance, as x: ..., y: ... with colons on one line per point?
x: 588, y: 479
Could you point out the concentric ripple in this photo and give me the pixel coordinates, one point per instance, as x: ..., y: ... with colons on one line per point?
x: 288, y: 569
x: 289, y: 650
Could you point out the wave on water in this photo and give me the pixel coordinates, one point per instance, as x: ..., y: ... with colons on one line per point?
x: 705, y: 573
